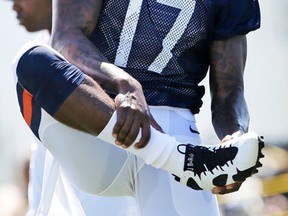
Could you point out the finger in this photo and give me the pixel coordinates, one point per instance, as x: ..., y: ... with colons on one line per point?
x: 121, y: 114
x: 121, y: 119
x: 236, y: 186
x: 227, y: 189
x: 218, y: 190
x: 131, y: 134
x: 145, y: 135
x: 230, y: 137
x: 226, y: 138
x: 122, y: 137
x: 119, y: 123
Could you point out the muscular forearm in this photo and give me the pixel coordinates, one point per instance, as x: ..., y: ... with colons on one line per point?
x: 230, y: 114
x: 229, y: 109
x: 73, y: 24
x: 80, y: 52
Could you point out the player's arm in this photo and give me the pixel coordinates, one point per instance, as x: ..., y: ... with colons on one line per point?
x: 73, y: 23
x: 230, y: 115
x: 229, y: 110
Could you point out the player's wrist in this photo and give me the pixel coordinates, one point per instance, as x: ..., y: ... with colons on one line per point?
x: 115, y: 80
x: 128, y: 85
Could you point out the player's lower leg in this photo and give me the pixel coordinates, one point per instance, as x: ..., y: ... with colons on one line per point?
x: 199, y: 167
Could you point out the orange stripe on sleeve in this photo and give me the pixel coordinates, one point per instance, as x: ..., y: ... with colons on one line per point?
x: 27, y: 106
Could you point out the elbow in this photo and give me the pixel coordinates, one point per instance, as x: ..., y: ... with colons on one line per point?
x: 64, y: 43
x: 58, y: 40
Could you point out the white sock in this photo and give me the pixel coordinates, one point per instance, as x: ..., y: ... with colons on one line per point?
x: 160, y: 152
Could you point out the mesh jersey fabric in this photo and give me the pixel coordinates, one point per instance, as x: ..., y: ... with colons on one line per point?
x: 164, y: 44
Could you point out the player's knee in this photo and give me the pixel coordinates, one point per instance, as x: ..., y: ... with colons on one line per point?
x: 34, y: 68
x: 47, y: 76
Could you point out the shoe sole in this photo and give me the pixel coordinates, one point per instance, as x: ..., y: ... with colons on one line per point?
x: 260, y: 154
x: 241, y: 176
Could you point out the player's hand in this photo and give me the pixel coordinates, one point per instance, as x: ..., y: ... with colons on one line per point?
x: 227, y: 189
x: 132, y: 115
x: 229, y: 137
x: 232, y: 187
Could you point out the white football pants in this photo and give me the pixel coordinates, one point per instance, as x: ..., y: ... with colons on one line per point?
x: 101, y: 168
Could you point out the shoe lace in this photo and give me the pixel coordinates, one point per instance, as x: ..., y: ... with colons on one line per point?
x: 201, y: 159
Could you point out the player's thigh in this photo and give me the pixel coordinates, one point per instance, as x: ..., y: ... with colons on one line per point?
x: 88, y: 162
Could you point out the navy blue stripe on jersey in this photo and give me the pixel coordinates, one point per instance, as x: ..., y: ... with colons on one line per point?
x: 47, y: 77
x: 33, y: 110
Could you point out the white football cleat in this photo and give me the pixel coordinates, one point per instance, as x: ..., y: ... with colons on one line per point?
x: 207, y: 167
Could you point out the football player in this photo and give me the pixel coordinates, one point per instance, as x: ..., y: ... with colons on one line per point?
x: 117, y: 107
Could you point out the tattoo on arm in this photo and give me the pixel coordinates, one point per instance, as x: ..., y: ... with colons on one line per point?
x: 229, y: 109
x: 74, y: 22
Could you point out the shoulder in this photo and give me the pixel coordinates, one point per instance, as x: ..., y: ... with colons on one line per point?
x: 234, y: 17
x: 229, y: 3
